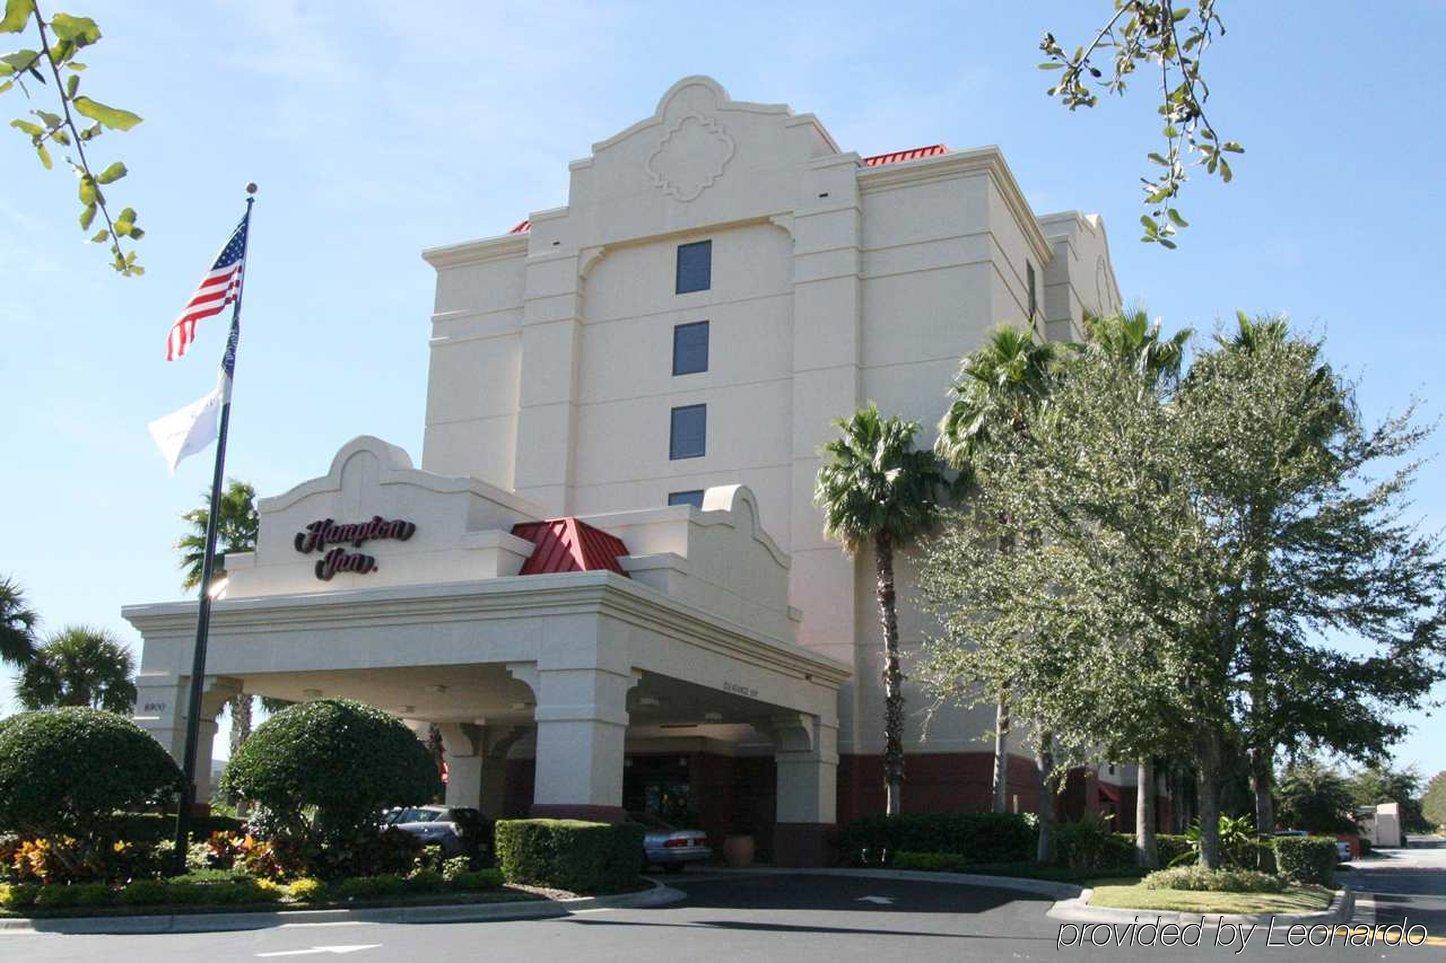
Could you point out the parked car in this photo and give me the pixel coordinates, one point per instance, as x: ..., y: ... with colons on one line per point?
x: 460, y: 831
x: 668, y: 847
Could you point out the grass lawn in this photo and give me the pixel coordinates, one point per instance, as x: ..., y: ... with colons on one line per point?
x: 1129, y: 894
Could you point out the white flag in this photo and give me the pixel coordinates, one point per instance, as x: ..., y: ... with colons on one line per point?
x: 190, y: 429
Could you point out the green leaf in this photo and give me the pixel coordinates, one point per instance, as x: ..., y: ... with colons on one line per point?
x: 17, y: 14
x: 99, y: 236
x: 88, y: 193
x: 6, y: 86
x: 44, y: 156
x: 1233, y: 147
x: 51, y: 120
x: 18, y: 61
x: 1225, y: 174
x: 1176, y: 218
x: 1052, y: 65
x: 34, y: 130
x: 1168, y: 243
x: 109, y: 116
x: 76, y: 65
x: 112, y: 173
x: 137, y: 234
x: 71, y: 83
x: 87, y: 215
x: 1151, y: 228
x: 81, y: 31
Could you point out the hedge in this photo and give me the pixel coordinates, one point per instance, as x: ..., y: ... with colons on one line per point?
x: 581, y: 857
x: 1199, y: 878
x: 977, y: 837
x: 1306, y: 859
x: 154, y: 828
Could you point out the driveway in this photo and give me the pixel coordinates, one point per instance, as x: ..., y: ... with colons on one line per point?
x: 790, y: 917
x: 1405, y: 884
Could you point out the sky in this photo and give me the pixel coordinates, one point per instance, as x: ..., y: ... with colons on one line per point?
x: 378, y: 129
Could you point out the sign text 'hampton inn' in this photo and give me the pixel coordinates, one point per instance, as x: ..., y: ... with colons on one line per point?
x: 319, y: 534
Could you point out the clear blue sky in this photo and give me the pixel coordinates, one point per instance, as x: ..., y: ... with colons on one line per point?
x: 378, y: 129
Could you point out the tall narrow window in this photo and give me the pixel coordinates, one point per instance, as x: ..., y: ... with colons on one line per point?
x: 695, y: 267
x: 1029, y: 279
x: 690, y: 348
x: 687, y: 436
x: 692, y: 497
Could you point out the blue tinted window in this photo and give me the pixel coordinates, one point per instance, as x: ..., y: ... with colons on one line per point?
x: 689, y: 432
x: 695, y: 266
x: 694, y: 498
x: 690, y: 348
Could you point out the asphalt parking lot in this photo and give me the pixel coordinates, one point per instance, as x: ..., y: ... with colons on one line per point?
x: 793, y: 917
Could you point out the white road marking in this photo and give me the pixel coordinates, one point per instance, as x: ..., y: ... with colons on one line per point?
x: 880, y: 900
x: 323, y: 949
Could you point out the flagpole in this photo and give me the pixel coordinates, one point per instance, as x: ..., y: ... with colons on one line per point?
x: 203, y: 609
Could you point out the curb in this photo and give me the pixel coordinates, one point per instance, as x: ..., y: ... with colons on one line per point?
x: 1039, y: 887
x: 1078, y: 910
x: 658, y: 895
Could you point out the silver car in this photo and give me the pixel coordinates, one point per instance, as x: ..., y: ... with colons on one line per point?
x: 668, y: 847
x: 458, y: 830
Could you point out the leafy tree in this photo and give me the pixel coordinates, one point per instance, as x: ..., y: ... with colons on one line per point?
x: 1145, y: 604
x: 1000, y: 386
x: 1433, y: 801
x: 1379, y: 783
x: 323, y: 771
x: 80, y: 666
x: 17, y: 624
x: 1315, y: 798
x: 1171, y: 43
x: 1286, y: 476
x: 877, y: 490
x: 67, y: 772
x: 60, y: 39
x: 237, y: 526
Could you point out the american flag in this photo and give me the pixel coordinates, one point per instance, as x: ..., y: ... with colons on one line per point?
x: 221, y: 286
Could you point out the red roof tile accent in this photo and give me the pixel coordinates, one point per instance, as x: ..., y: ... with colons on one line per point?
x: 899, y: 156
x: 569, y: 545
x: 523, y: 226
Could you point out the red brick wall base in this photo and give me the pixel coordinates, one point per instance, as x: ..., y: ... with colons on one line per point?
x: 802, y: 844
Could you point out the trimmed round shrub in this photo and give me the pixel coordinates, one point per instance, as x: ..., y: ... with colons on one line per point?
x: 307, y: 890
x: 65, y: 772
x: 1199, y: 878
x: 323, y: 771
x: 578, y: 856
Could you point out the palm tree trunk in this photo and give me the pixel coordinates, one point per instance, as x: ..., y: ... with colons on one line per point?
x: 240, y: 720
x: 1044, y: 761
x: 1001, y: 753
x: 1145, y: 854
x: 893, y: 677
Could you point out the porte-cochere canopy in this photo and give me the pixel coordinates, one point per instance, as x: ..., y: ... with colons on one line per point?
x: 449, y: 601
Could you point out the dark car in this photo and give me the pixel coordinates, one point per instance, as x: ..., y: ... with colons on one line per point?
x: 668, y: 847
x: 460, y: 831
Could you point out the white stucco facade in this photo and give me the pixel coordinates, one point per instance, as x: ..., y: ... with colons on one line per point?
x: 734, y: 628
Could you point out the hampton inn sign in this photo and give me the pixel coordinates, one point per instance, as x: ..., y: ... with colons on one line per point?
x: 607, y: 583
x: 319, y: 534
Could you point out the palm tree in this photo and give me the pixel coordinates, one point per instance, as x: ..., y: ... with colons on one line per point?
x: 17, y: 625
x: 237, y: 525
x: 79, y: 666
x: 876, y: 488
x: 1000, y: 386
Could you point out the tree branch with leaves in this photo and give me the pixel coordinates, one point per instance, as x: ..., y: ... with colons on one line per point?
x: 59, y: 40
x: 1154, y: 34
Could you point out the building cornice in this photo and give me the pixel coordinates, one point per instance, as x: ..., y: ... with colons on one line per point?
x: 980, y: 160
x: 568, y: 593
x: 477, y: 252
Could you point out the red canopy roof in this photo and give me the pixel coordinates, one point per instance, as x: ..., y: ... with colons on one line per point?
x: 569, y: 545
